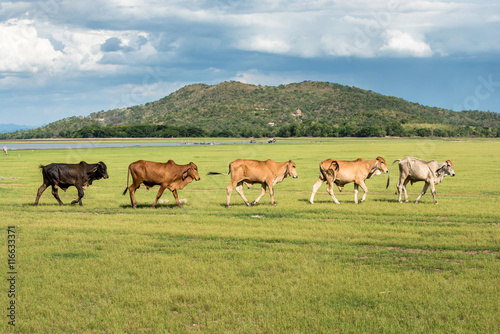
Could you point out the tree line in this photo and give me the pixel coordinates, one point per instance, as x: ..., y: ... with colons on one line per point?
x: 294, y: 129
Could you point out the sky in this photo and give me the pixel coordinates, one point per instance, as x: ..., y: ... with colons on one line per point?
x: 63, y: 58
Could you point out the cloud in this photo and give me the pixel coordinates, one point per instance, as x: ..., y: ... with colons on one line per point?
x: 94, y: 47
x: 112, y: 44
x: 255, y: 77
x: 265, y: 44
x: 403, y: 44
x: 22, y: 50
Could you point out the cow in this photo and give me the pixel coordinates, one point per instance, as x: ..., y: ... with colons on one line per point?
x: 415, y: 170
x: 61, y: 175
x: 168, y: 175
x: 5, y: 150
x: 267, y: 173
x: 342, y: 172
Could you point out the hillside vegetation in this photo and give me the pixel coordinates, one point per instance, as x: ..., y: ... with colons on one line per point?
x: 299, y: 109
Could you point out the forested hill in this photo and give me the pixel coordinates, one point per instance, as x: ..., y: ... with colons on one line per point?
x: 299, y: 109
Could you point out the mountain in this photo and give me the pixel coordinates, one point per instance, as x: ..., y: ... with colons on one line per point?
x: 6, y: 128
x: 299, y: 109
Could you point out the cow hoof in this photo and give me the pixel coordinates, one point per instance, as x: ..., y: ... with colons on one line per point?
x: 253, y: 203
x: 311, y: 202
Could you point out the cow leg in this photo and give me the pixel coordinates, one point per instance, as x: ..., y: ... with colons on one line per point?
x: 80, y: 196
x: 433, y: 192
x: 239, y: 190
x: 174, y: 192
x: 133, y: 201
x: 399, y: 187
x: 262, y: 193
x: 315, y: 189
x: 426, y: 185
x: 329, y: 189
x: 160, y: 192
x: 131, y: 189
x: 356, y: 193
x: 365, y: 189
x: 271, y: 192
x: 229, y: 190
x: 56, y: 195
x: 40, y: 192
x: 404, y: 189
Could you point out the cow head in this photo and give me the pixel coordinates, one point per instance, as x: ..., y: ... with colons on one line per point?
x: 291, y: 169
x: 447, y: 168
x: 191, y: 171
x: 379, y: 167
x: 99, y: 171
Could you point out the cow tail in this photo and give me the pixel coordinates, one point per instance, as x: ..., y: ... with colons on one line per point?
x: 322, y: 173
x: 128, y: 177
x: 44, y: 173
x: 389, y: 174
x: 335, y: 169
x: 217, y: 173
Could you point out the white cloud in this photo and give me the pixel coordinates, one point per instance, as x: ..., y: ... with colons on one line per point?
x: 255, y: 77
x: 403, y: 44
x: 265, y: 44
x: 22, y: 50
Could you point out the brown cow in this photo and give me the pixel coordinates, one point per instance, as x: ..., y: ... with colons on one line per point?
x: 268, y: 173
x: 342, y: 172
x: 167, y: 175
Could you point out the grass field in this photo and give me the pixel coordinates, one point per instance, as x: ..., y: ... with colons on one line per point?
x: 375, y: 267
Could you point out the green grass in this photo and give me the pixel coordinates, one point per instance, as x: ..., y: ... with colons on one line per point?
x: 379, y: 266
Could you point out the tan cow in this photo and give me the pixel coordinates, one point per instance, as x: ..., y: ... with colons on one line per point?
x: 342, y: 172
x: 167, y: 175
x: 415, y: 170
x: 268, y: 173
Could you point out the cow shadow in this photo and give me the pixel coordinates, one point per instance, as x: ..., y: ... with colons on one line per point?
x: 306, y: 200
x: 385, y: 200
x: 149, y: 206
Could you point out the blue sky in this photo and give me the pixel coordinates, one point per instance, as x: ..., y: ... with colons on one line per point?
x: 61, y: 58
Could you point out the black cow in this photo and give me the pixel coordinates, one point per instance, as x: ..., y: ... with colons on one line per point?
x: 66, y: 175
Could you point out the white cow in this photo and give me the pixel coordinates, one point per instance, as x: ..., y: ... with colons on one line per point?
x: 414, y: 170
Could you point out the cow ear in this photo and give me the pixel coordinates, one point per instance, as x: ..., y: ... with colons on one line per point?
x: 441, y: 168
x: 185, y: 174
x: 93, y: 170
